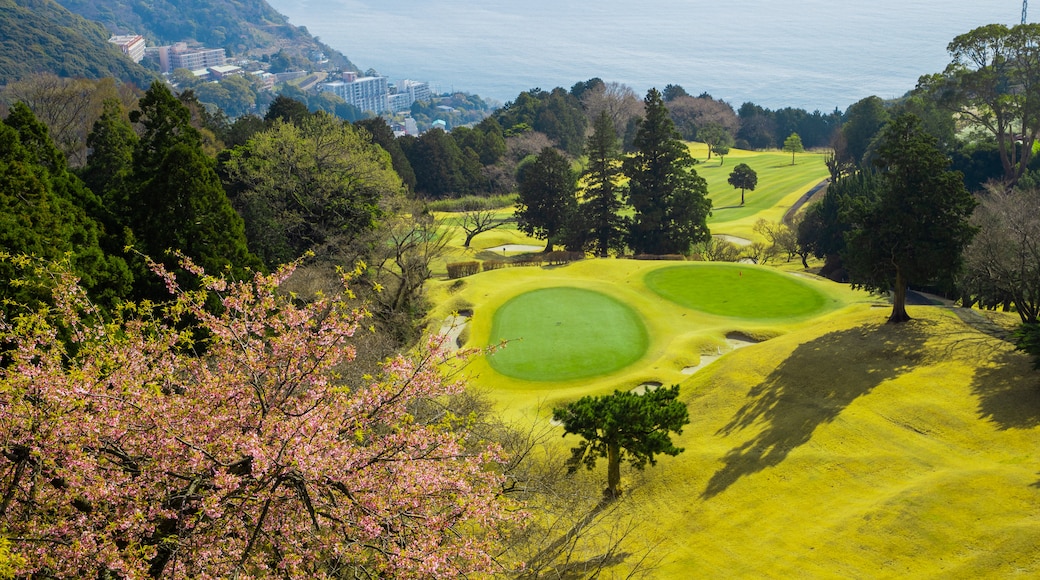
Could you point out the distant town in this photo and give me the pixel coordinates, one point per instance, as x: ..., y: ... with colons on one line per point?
x: 368, y: 93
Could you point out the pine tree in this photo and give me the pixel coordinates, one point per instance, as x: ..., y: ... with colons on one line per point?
x: 602, y: 208
x: 669, y: 198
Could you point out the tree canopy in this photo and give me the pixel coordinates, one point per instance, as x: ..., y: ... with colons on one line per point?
x: 994, y: 80
x: 915, y: 227
x: 625, y: 425
x: 669, y: 198
x: 744, y: 178
x: 547, y: 199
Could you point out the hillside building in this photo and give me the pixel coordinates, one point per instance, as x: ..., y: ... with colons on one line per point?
x: 132, y: 45
x: 365, y: 93
x: 180, y: 56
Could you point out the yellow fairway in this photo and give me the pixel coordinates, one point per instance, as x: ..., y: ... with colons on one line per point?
x: 841, y: 447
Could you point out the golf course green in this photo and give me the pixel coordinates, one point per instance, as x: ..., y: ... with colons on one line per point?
x: 736, y: 291
x: 564, y: 333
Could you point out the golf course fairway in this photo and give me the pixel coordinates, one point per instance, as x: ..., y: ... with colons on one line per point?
x: 566, y: 333
x: 736, y: 291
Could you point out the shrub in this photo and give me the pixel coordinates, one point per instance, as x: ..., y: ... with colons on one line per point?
x: 462, y: 269
x: 490, y: 265
x: 562, y: 257
x: 528, y: 260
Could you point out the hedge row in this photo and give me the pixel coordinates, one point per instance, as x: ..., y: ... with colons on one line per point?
x: 462, y: 269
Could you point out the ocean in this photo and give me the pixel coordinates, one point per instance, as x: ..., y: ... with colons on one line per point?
x: 811, y: 54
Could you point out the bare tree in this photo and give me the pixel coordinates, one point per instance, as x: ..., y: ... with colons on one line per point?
x: 1003, y: 261
x: 619, y: 101
x: 691, y: 113
x: 782, y: 239
x: 719, y: 250
x: 68, y: 107
x: 477, y: 221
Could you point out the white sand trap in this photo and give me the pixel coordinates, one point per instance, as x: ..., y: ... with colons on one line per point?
x: 734, y: 340
x: 451, y: 329
x: 647, y: 386
x: 733, y: 239
x: 514, y: 248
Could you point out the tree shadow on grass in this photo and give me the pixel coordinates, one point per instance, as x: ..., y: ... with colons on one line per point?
x: 1008, y: 390
x: 812, y: 387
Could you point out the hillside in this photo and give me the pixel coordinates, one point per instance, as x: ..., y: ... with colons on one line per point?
x: 242, y: 27
x: 841, y: 447
x: 41, y: 36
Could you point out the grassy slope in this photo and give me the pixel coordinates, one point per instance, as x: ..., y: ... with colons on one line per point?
x: 859, y: 450
x: 780, y: 185
x: 840, y: 448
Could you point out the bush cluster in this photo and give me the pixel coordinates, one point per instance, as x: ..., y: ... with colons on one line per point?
x: 463, y: 269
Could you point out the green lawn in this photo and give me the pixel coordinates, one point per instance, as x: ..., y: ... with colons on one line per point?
x: 780, y: 184
x: 736, y: 290
x: 565, y: 333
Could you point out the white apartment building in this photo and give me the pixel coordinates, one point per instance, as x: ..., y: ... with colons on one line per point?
x: 365, y: 93
x: 132, y: 45
x: 180, y: 56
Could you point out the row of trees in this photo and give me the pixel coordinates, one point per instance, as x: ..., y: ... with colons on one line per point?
x: 668, y: 198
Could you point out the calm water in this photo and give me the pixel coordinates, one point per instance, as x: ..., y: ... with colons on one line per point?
x: 813, y: 54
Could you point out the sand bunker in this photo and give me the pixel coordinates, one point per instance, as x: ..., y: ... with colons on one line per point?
x: 514, y: 248
x: 734, y: 340
x: 451, y: 330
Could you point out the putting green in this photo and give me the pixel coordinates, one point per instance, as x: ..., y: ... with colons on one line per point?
x: 737, y: 291
x: 564, y: 333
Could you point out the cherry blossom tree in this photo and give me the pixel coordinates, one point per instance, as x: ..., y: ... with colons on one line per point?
x: 178, y: 443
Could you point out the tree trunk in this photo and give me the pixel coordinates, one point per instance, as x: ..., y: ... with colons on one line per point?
x: 469, y: 238
x: 613, y: 471
x: 548, y: 246
x: 899, y: 300
x: 741, y: 196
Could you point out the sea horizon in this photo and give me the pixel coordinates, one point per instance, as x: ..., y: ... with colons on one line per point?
x: 809, y: 54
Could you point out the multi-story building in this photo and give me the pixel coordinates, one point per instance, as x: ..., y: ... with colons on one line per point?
x: 180, y: 56
x: 132, y: 45
x: 365, y: 93
x: 416, y: 91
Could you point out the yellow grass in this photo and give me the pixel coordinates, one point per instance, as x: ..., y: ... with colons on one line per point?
x: 839, y: 448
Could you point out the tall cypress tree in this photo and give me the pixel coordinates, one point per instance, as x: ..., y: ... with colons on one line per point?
x: 177, y: 201
x: 669, y: 198
x: 602, y: 208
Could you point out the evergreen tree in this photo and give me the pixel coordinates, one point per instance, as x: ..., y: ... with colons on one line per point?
x: 547, y: 202
x: 916, y: 227
x: 49, y: 213
x: 669, y: 198
x: 743, y: 177
x: 177, y: 202
x: 602, y: 206
x: 624, y: 425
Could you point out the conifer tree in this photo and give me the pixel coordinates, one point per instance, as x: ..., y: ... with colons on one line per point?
x: 177, y: 200
x: 602, y: 208
x: 547, y: 202
x: 669, y: 198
